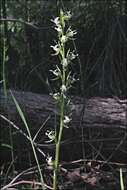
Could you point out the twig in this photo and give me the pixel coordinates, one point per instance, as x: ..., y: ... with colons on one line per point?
x: 24, y: 22
x: 93, y: 160
x: 24, y: 134
x: 24, y: 182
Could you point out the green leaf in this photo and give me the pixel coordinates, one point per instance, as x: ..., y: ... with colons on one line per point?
x: 20, y: 113
x: 30, y: 137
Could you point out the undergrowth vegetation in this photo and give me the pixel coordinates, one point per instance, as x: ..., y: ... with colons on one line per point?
x: 96, y: 71
x: 63, y: 74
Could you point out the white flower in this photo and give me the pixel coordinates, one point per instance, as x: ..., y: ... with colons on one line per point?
x: 68, y: 15
x: 56, y: 96
x: 49, y: 160
x: 71, y: 55
x: 51, y: 135
x: 65, y: 62
x: 56, y: 72
x: 59, y: 29
x: 63, y: 39
x: 66, y: 121
x: 56, y: 21
x: 63, y: 89
x: 71, y: 33
x: 56, y: 49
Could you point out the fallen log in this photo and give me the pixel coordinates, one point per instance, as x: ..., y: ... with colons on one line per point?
x: 98, y: 124
x: 95, y: 112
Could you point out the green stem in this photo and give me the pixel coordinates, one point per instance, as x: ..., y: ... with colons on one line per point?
x: 62, y: 105
x: 57, y: 153
x: 3, y: 72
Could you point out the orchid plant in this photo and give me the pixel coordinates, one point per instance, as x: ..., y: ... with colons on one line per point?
x: 66, y: 79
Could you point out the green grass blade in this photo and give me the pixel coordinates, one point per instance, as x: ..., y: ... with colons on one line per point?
x: 30, y: 137
x: 121, y: 179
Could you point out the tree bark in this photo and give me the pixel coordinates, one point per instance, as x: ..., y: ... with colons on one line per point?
x: 98, y: 125
x: 95, y: 112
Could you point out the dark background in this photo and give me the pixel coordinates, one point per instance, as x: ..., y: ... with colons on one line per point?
x: 101, y: 43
